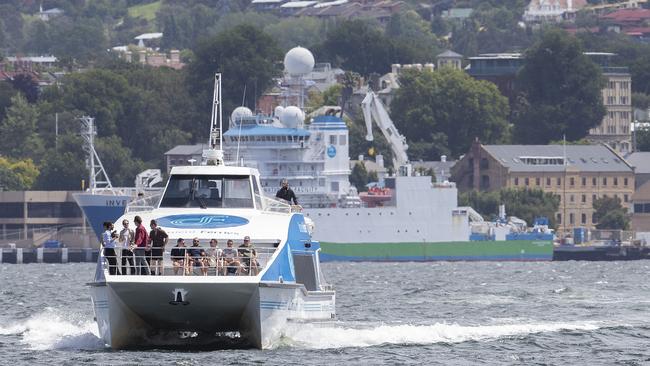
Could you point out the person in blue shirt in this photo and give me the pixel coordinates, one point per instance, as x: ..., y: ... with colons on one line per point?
x: 109, y: 240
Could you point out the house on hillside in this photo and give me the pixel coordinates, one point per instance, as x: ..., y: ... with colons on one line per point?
x: 552, y: 11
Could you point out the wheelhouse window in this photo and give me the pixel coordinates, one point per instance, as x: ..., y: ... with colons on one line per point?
x: 208, y: 191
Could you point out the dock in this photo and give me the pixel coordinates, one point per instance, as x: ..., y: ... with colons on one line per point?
x: 48, y: 255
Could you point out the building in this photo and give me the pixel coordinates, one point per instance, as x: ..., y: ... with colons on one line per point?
x: 620, y: 21
x: 499, y: 68
x: 641, y: 197
x: 449, y: 59
x: 615, y: 129
x: 150, y: 57
x: 544, y: 11
x: 28, y: 218
x: 578, y: 174
x: 184, y: 155
x: 48, y: 14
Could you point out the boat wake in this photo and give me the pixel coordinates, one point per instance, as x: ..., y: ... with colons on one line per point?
x: 55, y: 329
x: 341, y: 336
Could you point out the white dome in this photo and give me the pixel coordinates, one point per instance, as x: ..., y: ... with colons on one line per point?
x: 299, y: 61
x: 292, y: 117
x: 278, y: 111
x: 239, y: 113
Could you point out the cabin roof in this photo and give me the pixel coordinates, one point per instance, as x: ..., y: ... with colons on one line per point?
x: 211, y: 169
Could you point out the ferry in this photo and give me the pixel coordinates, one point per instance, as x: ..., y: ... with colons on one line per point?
x: 195, y: 303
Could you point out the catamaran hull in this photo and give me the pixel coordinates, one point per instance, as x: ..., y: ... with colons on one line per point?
x: 163, y: 314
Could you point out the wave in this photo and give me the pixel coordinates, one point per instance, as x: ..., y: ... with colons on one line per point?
x: 56, y: 329
x: 339, y: 336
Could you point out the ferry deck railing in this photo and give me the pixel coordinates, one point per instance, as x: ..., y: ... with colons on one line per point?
x: 188, y: 265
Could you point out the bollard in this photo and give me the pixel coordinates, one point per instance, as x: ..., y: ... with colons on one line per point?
x: 19, y: 256
x: 64, y: 255
x: 39, y: 255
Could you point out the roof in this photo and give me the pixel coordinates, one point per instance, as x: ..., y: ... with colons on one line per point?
x: 640, y: 161
x: 187, y: 149
x: 589, y: 158
x: 267, y: 1
x: 36, y: 59
x: 298, y: 4
x: 330, y: 3
x: 450, y: 54
x: 213, y: 169
x: 266, y: 131
x: 458, y: 13
x: 53, y: 11
x: 149, y: 36
x: 628, y: 15
x: 492, y: 56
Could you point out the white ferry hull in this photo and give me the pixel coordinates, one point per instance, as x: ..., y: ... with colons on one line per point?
x: 145, y: 314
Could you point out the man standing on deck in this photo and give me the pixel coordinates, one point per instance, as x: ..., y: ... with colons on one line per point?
x: 141, y: 245
x: 286, y: 193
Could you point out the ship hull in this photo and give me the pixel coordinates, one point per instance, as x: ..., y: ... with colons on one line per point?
x: 500, y: 250
x: 134, y: 315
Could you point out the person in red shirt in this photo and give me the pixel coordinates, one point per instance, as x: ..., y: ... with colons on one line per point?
x: 141, y: 241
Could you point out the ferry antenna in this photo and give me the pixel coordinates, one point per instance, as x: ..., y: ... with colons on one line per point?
x: 216, y: 122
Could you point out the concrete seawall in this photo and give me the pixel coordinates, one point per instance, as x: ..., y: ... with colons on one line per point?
x: 47, y: 255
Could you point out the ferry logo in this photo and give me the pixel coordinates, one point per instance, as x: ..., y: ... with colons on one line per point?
x: 331, y: 151
x: 201, y: 221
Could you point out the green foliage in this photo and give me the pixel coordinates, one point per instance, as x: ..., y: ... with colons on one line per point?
x: 145, y: 11
x: 411, y: 38
x: 63, y: 168
x: 560, y: 89
x: 640, y: 100
x: 526, y: 204
x: 442, y: 112
x: 184, y: 25
x: 7, y: 92
x: 246, y: 58
x: 18, y: 130
x: 17, y: 175
x: 359, y: 177
x: 610, y: 214
x: 290, y: 32
x: 81, y: 39
x: 642, y: 136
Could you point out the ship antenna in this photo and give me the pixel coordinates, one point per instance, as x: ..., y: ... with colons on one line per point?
x: 214, y: 155
x: 98, y: 178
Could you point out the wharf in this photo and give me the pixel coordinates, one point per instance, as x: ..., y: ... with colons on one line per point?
x: 600, y: 252
x: 48, y: 255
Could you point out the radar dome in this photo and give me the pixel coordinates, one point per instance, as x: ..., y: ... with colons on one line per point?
x: 292, y: 117
x: 299, y: 61
x: 278, y: 111
x: 239, y: 113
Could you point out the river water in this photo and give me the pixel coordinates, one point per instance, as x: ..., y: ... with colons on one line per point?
x: 573, y: 313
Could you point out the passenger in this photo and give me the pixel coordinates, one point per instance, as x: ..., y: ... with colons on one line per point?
x: 157, y: 239
x: 197, y: 256
x: 230, y: 263
x: 126, y: 241
x: 108, y: 242
x: 178, y: 256
x: 286, y: 193
x: 248, y: 256
x: 214, y: 256
x: 141, y: 245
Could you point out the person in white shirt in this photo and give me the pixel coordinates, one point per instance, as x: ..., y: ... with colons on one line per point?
x: 109, y: 241
x: 126, y: 240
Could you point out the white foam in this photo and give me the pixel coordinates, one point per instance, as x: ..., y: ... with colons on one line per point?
x: 311, y: 336
x: 52, y: 329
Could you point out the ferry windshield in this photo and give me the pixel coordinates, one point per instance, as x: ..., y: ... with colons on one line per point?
x: 208, y: 191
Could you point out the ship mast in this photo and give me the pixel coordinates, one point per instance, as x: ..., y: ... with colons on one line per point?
x: 98, y: 179
x: 214, y: 155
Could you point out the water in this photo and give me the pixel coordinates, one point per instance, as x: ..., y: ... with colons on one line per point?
x: 583, y: 313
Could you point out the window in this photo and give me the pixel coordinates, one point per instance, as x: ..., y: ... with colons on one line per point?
x: 593, y: 181
x: 52, y: 209
x: 548, y: 181
x: 516, y: 181
x: 537, y: 182
x: 334, y: 186
x: 593, y: 197
x: 625, y: 182
x: 526, y: 182
x: 12, y: 209
x: 625, y: 198
x: 484, y: 163
x: 583, y: 219
x: 571, y: 198
x: 332, y: 139
x: 584, y: 181
x: 559, y: 218
x: 343, y: 140
x: 584, y: 198
x: 572, y: 181
x: 485, y: 182
x: 227, y: 191
x: 571, y: 219
x: 559, y: 181
x: 604, y: 181
x: 615, y: 181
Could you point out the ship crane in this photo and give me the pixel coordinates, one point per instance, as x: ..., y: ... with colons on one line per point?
x: 373, y: 109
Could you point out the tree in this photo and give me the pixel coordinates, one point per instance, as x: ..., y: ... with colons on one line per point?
x: 64, y: 168
x: 7, y: 92
x: 355, y: 45
x: 18, y: 130
x: 246, y: 58
x: 442, y: 112
x: 610, y: 214
x: 359, y: 177
x: 561, y: 91
x: 17, y: 175
x: 291, y: 32
x: 642, y: 136
x: 526, y: 204
x: 412, y: 38
x: 26, y: 84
